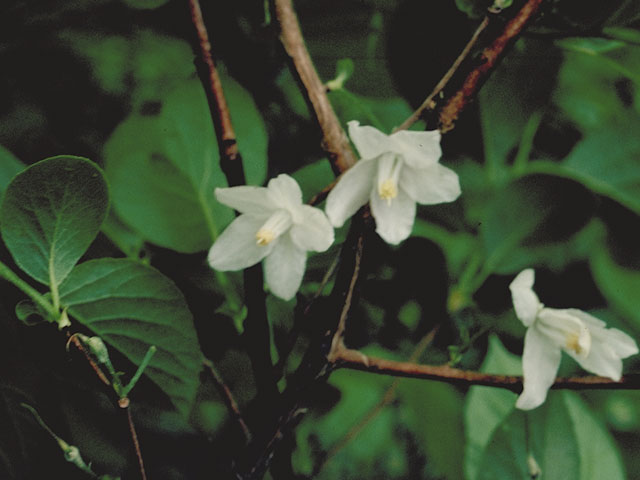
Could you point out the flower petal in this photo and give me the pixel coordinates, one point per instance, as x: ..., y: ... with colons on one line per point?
x: 394, y: 219
x: 369, y: 141
x: 246, y: 199
x: 351, y: 192
x: 236, y: 247
x: 314, y: 232
x: 419, y: 149
x: 525, y: 300
x: 540, y: 362
x: 284, y: 268
x: 285, y: 191
x: 565, y: 330
x: 430, y: 185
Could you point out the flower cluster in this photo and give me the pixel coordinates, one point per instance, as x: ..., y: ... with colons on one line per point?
x: 597, y: 349
x: 395, y: 172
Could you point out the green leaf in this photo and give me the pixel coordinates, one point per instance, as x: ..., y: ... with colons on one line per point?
x: 563, y: 437
x: 313, y: 178
x: 606, y: 162
x: 619, y: 285
x: 10, y: 166
x: 51, y: 213
x: 486, y: 408
x: 533, y: 210
x: 131, y: 307
x: 434, y: 414
x: 145, y: 4
x: 164, y: 168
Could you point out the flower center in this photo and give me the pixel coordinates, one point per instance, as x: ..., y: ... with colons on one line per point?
x: 573, y: 343
x: 389, y: 168
x: 388, y: 190
x: 276, y: 225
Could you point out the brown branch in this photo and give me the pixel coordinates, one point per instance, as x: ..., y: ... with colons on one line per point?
x: 78, y: 344
x: 355, y: 360
x: 230, y: 159
x: 489, y: 59
x: 136, y: 443
x: 429, y: 104
x: 228, y: 398
x: 335, y: 141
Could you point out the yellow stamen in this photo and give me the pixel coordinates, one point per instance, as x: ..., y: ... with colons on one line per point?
x: 573, y: 343
x: 388, y: 190
x: 264, y: 237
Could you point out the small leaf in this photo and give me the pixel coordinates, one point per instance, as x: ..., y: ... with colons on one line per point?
x: 29, y: 313
x: 618, y: 284
x: 131, y: 307
x: 51, y: 213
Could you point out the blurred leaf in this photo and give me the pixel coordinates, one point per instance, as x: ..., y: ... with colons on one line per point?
x: 457, y: 246
x: 145, y: 4
x: 619, y: 285
x: 434, y: 415
x: 10, y: 166
x: 18, y: 435
x: 163, y: 169
x: 51, y: 213
x: 486, y: 408
x: 564, y: 438
x: 590, y: 46
x: 628, y: 35
x: 607, y: 162
x: 511, y: 96
x: 313, y: 178
x: 532, y: 210
x: 123, y: 237
x: 131, y: 307
x: 384, y: 114
x: 344, y: 69
x: 473, y: 8
x: 29, y: 313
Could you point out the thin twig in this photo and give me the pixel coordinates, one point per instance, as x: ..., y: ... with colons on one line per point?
x: 388, y: 397
x: 230, y: 159
x: 356, y: 360
x: 136, y: 444
x: 489, y: 59
x: 228, y: 398
x: 335, y: 141
x: 429, y: 104
x: 78, y: 344
x: 256, y: 325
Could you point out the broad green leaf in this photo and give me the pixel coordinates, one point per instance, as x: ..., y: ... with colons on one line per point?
x: 10, y: 166
x: 164, y: 168
x: 618, y: 284
x: 51, y: 213
x: 563, y: 437
x: 433, y: 412
x: 486, y: 408
x: 607, y: 162
x: 131, y: 307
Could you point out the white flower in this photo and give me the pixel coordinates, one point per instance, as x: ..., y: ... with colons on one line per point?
x: 395, y: 172
x: 275, y: 226
x: 597, y: 349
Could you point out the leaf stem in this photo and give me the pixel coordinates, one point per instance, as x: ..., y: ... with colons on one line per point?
x: 10, y: 276
x: 136, y: 376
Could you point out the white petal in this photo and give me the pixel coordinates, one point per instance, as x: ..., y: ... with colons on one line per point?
x: 351, y: 192
x: 540, y: 362
x: 284, y: 268
x: 565, y: 330
x: 525, y: 301
x: 285, y: 191
x: 622, y: 344
x: 431, y: 185
x: 236, y: 247
x: 419, y: 149
x: 369, y: 141
x: 246, y: 199
x: 314, y: 232
x: 394, y: 219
